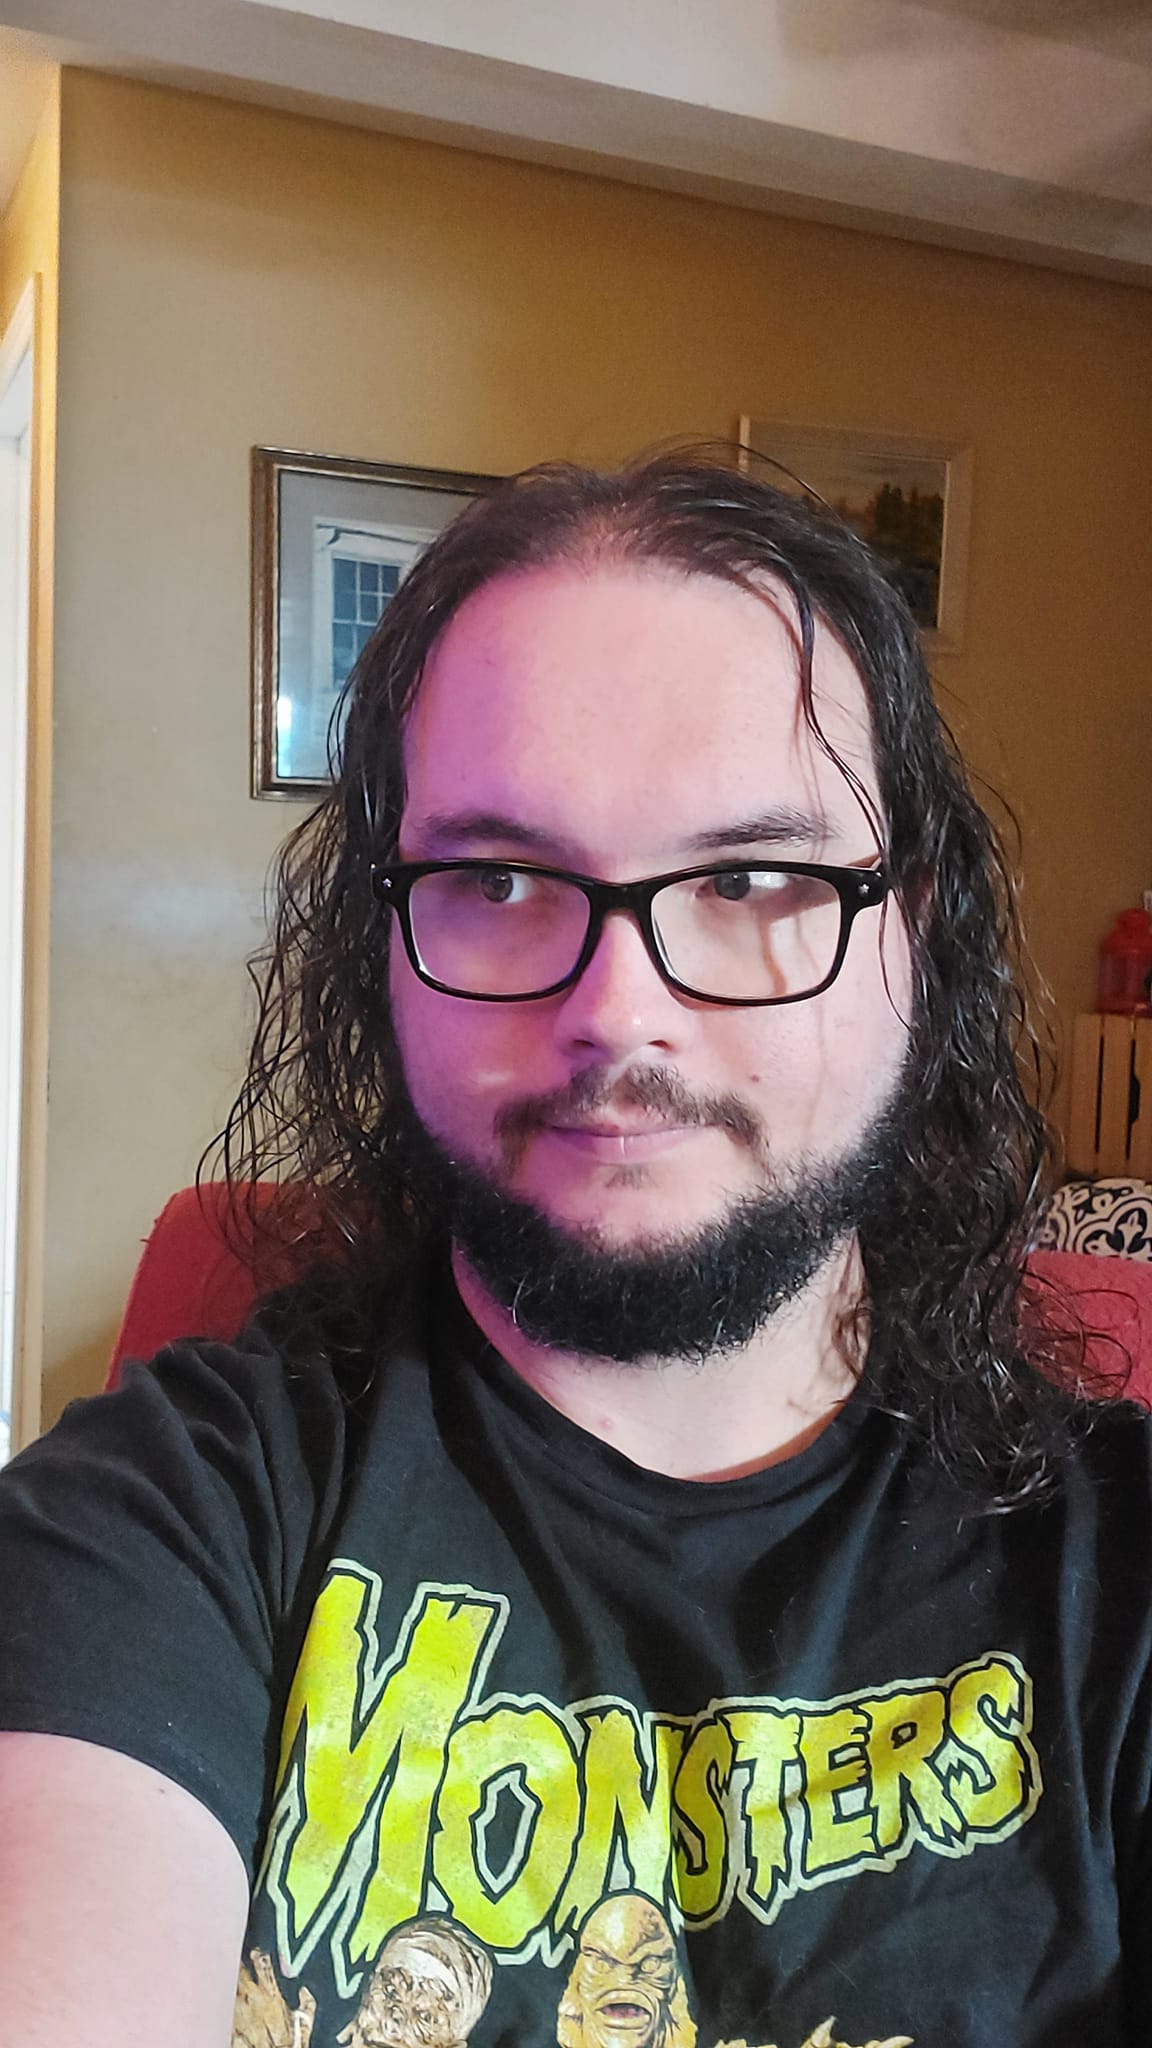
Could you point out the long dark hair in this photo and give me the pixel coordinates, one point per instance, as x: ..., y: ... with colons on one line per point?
x: 961, y: 1348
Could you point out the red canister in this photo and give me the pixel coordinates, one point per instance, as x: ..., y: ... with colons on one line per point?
x: 1125, y: 983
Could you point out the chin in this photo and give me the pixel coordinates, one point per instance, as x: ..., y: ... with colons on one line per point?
x: 631, y: 1224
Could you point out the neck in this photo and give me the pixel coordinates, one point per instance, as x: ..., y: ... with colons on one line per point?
x: 736, y: 1414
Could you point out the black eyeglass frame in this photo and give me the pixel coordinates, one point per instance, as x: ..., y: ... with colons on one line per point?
x: 858, y: 889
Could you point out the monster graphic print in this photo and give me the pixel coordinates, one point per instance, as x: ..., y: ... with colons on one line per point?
x: 428, y: 1832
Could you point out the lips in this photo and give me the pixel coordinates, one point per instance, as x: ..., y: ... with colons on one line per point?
x: 616, y: 1148
x: 648, y: 1128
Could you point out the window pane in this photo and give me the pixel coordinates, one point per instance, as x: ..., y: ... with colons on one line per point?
x: 345, y: 648
x: 343, y: 587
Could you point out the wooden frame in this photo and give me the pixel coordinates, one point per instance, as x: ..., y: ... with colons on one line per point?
x: 25, y: 815
x: 326, y: 529
x: 908, y: 494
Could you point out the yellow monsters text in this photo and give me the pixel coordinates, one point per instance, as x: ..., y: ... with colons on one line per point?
x: 405, y: 1788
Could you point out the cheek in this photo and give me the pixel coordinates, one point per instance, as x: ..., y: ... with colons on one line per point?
x: 424, y: 1038
x: 452, y: 1052
x: 816, y: 1072
x: 873, y: 1011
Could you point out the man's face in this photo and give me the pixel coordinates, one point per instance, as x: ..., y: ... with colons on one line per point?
x: 616, y: 713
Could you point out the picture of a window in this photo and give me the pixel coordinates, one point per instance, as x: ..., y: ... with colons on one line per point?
x: 360, y: 590
x: 332, y: 542
x: 355, y: 570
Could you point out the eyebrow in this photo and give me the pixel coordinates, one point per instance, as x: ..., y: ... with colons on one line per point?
x: 782, y: 826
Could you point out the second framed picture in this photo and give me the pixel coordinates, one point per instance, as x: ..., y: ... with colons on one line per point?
x: 332, y: 540
x: 908, y: 496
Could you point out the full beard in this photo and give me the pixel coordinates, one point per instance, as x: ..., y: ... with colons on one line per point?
x: 689, y: 1296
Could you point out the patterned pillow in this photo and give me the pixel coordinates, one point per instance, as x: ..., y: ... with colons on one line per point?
x: 1112, y: 1217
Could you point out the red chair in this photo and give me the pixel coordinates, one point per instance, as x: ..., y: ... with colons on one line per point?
x: 190, y: 1284
x: 1114, y: 1299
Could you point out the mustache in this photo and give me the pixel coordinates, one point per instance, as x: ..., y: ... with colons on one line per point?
x: 656, y: 1090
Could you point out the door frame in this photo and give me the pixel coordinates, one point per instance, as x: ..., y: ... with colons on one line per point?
x: 19, y: 1362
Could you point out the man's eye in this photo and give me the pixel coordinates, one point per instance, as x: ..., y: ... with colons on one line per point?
x: 734, y: 885
x: 758, y: 886
x: 497, y: 885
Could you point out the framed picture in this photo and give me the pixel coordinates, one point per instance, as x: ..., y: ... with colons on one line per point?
x: 332, y: 540
x: 908, y: 497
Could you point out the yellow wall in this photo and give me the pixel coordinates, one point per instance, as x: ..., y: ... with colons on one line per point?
x: 236, y: 276
x: 29, y: 250
x: 30, y: 225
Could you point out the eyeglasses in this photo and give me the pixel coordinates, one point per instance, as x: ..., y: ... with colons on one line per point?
x: 507, y: 932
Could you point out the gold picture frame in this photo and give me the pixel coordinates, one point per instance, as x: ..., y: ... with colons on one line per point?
x: 332, y: 538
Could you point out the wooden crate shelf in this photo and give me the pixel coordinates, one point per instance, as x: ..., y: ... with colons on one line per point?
x: 1110, y: 1112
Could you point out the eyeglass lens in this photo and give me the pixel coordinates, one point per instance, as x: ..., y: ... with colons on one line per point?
x: 745, y: 933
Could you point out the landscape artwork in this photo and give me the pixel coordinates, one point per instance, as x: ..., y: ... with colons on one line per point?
x: 907, y: 499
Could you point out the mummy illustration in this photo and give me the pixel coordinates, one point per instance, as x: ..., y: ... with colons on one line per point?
x: 430, y: 1985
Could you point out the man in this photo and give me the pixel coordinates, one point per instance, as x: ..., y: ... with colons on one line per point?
x: 655, y: 1580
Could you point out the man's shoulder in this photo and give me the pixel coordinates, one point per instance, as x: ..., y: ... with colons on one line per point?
x: 1109, y: 1459
x: 295, y: 1382
x: 1091, y: 1470
x: 332, y: 1333
x: 1091, y: 1504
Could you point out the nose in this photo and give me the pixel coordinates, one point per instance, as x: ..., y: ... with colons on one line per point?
x: 622, y: 1000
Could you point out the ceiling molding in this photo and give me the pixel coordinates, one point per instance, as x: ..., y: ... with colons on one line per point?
x: 1029, y: 145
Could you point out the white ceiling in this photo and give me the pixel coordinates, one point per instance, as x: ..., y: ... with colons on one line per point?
x: 1021, y: 126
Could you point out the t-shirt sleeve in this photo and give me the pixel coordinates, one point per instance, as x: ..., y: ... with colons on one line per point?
x: 154, y: 1556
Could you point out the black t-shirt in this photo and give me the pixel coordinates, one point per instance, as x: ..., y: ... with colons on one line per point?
x: 524, y: 1744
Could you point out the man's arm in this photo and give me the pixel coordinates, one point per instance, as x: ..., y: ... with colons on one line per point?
x: 123, y: 1903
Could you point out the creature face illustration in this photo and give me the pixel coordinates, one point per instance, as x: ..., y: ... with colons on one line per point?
x: 430, y: 1985
x: 626, y: 1989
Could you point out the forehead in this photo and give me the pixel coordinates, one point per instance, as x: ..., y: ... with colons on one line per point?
x: 622, y: 709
